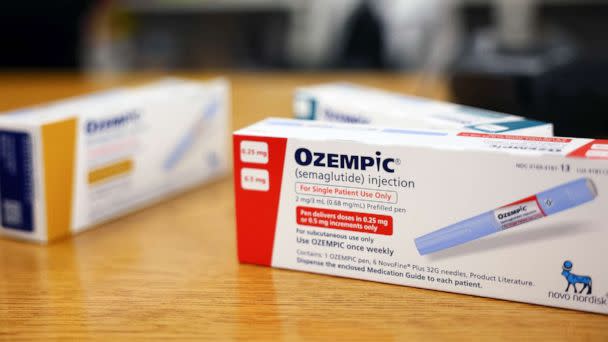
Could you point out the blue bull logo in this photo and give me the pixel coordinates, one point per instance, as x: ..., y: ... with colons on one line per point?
x: 574, y: 279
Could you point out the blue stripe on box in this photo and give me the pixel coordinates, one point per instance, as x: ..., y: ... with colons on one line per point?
x: 412, y: 132
x: 502, y: 127
x: 16, y: 181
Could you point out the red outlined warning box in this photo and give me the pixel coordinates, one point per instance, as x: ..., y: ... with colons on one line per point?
x: 345, y: 220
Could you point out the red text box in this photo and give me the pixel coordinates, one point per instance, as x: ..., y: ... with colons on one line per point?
x: 345, y: 220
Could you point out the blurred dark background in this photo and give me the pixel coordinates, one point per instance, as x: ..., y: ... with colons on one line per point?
x: 542, y: 59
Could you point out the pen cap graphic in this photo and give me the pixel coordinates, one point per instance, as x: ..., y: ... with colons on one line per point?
x: 548, y: 202
x: 189, y: 139
x: 567, y: 196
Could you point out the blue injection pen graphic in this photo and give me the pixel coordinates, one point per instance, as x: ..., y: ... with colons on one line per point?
x: 548, y: 202
x: 188, y: 140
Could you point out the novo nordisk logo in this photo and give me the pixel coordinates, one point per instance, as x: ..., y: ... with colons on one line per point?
x: 581, y: 294
x: 574, y: 279
x: 305, y: 157
x: 95, y: 126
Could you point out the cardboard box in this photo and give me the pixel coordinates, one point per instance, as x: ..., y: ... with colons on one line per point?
x: 71, y: 164
x: 349, y: 103
x: 519, y: 218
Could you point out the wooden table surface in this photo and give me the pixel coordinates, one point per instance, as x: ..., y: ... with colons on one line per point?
x: 171, y: 270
